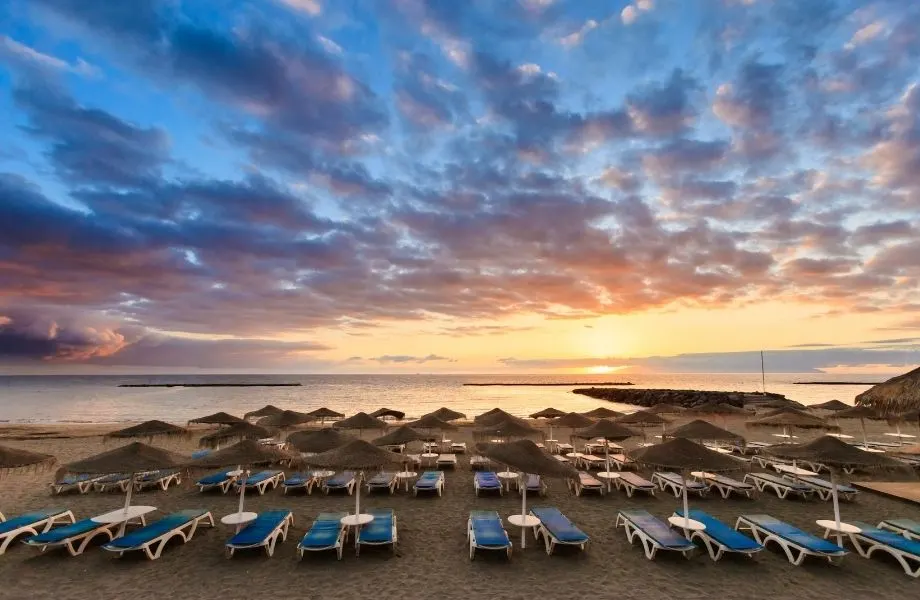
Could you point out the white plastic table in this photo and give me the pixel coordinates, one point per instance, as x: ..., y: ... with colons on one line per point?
x: 238, y: 519
x: 354, y: 521
x: 507, y: 477
x: 701, y: 475
x: 789, y: 469
x: 609, y: 477
x: 405, y: 476
x: 841, y: 436
x: 124, y: 515
x: 323, y: 474
x: 686, y: 524
x: 872, y: 450
x: 519, y: 520
x: 785, y: 436
x: 845, y: 530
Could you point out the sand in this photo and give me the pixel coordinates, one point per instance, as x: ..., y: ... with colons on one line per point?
x: 432, y: 559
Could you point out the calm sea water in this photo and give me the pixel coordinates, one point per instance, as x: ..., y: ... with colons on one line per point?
x: 97, y: 399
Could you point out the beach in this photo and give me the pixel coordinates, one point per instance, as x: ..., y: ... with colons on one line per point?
x: 432, y: 557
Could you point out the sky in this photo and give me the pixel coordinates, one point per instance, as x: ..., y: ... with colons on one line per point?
x: 539, y: 186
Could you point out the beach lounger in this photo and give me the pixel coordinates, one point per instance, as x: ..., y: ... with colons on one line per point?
x: 262, y: 533
x: 726, y: 485
x: 586, y: 481
x: 298, y: 481
x: 458, y: 447
x: 487, y: 481
x: 395, y: 448
x: 379, y: 532
x: 33, y: 523
x: 484, y: 531
x: 414, y: 459
x: 534, y: 485
x: 823, y: 488
x: 909, y: 528
x: 654, y: 534
x: 797, y: 544
x: 781, y: 486
x: 564, y: 448
x: 561, y: 458
x: 222, y: 481
x: 589, y: 461
x: 160, y: 479
x: 260, y: 481
x: 382, y: 481
x: 718, y: 537
x: 116, y: 481
x: 152, y: 539
x: 621, y: 462
x: 74, y: 537
x: 556, y: 528
x: 675, y: 482
x: 429, y: 481
x: 200, y: 454
x: 633, y: 482
x: 872, y: 539
x: 340, y: 481
x: 447, y: 460
x: 81, y: 483
x: 326, y: 533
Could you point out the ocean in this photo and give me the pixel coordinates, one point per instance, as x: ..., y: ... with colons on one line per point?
x: 98, y: 399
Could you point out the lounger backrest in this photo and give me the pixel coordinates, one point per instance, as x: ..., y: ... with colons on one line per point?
x: 261, y: 528
x: 59, y: 534
x: 721, y: 532
x: 27, y: 519
x: 794, y: 534
x: 655, y: 528
x: 487, y: 527
x: 728, y: 481
x: 827, y: 485
x: 533, y: 481
x: 428, y: 478
x: 487, y: 478
x: 157, y: 528
x: 908, y: 525
x: 586, y: 479
x: 558, y: 524
x: 381, y: 528
x: 889, y: 538
x: 636, y: 480
x: 776, y: 479
x: 260, y: 477
x: 340, y: 479
x: 214, y: 478
x: 383, y: 478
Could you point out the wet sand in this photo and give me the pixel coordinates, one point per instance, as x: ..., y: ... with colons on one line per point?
x: 432, y: 560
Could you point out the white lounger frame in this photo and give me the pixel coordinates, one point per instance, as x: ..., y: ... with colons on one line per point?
x: 161, y: 482
x: 726, y: 489
x: 392, y: 542
x: 578, y: 487
x: 261, y: 486
x: 551, y: 541
x: 77, y: 544
x: 106, y: 486
x: 447, y: 460
x: 825, y: 493
x: 35, y: 528
x: 337, y: 546
x: 665, y: 484
x: 892, y: 527
x: 438, y: 486
x: 223, y: 485
x: 458, y: 447
x: 348, y: 487
x: 908, y: 561
x: 154, y: 548
x: 716, y: 548
x: 631, y: 488
x: 82, y: 486
x: 589, y: 461
x: 621, y: 462
x: 779, y: 489
x: 471, y: 538
x: 380, y: 486
x: 522, y: 483
x: 796, y: 553
x: 269, y: 541
x: 649, y: 545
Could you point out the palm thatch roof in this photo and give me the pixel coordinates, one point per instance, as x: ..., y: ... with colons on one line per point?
x: 150, y: 429
x: 602, y: 413
x: 286, y: 419
x: 680, y: 454
x: 547, y: 413
x: 318, y: 441
x: 572, y: 420
x: 834, y: 405
x: 136, y: 457
x: 446, y: 414
x: 606, y: 429
x: 400, y: 435
x: 325, y: 413
x: 266, y: 411
x: 833, y: 452
x: 643, y: 418
x: 525, y: 456
x: 897, y: 395
x: 507, y: 428
x: 430, y: 421
x: 792, y: 418
x: 218, y: 418
x: 245, y: 453
x: 717, y: 408
x: 15, y: 458
x: 358, y: 455
x: 858, y: 412
x: 702, y: 430
x: 381, y: 413
x: 496, y: 415
x: 361, y: 420
x: 663, y: 408
x: 238, y: 432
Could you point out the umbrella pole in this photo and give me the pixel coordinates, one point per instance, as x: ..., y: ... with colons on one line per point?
x: 836, y: 507
x: 862, y: 422
x: 523, y: 510
x: 130, y: 490
x: 686, y: 503
x: 239, y: 509
x: 358, y: 494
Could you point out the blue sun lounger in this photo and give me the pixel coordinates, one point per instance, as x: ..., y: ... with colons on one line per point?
x: 152, y: 539
x: 487, y: 481
x: 430, y: 481
x: 484, y: 531
x: 263, y: 532
x: 299, y: 481
x: 534, y: 485
x: 341, y: 481
x: 81, y: 483
x: 34, y: 523
x: 161, y: 479
x: 675, y: 482
x: 385, y: 480
x: 379, y: 532
x: 116, y: 481
x: 797, y: 544
x: 221, y: 481
x: 260, y: 481
x: 556, y: 528
x: 326, y: 533
x: 906, y: 527
x: 903, y: 550
x: 718, y: 537
x: 74, y: 537
x: 824, y: 489
x: 654, y: 534
x: 781, y: 486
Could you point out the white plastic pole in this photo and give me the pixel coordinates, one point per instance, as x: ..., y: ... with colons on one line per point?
x: 128, y: 495
x: 358, y: 494
x: 836, y: 501
x: 523, y: 509
x: 239, y: 509
x: 865, y: 439
x: 686, y: 502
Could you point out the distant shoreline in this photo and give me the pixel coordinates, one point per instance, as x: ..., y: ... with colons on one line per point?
x: 564, y: 384
x: 835, y: 383
x: 204, y: 385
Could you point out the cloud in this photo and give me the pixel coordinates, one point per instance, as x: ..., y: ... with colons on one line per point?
x: 310, y: 7
x: 629, y: 15
x: 577, y: 37
x: 18, y: 53
x: 328, y: 45
x: 404, y: 359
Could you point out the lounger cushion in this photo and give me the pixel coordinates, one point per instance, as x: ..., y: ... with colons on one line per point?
x: 381, y: 479
x: 59, y: 534
x: 534, y: 482
x: 259, y: 477
x: 656, y: 529
x: 340, y: 480
x: 824, y: 484
x: 213, y: 479
x: 156, y: 529
x: 74, y: 479
x: 29, y: 518
x: 889, y: 538
x: 559, y: 525
x: 794, y: 534
x: 256, y: 532
x: 380, y: 530
x: 677, y: 479
x: 588, y: 480
x: 636, y: 480
x: 909, y: 525
x: 799, y: 487
x: 487, y: 479
x: 324, y: 532
x: 488, y: 530
x: 157, y: 475
x: 429, y: 479
x: 297, y: 480
x: 721, y: 532
x: 732, y: 483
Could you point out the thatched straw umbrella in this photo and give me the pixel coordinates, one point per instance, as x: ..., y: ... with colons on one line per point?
x: 243, y: 456
x: 218, y: 418
x: 603, y: 413
x: 286, y: 419
x: 834, y: 454
x: 680, y: 454
x: 132, y: 459
x: 496, y: 415
x: 446, y: 414
x: 663, y: 408
x: 382, y: 413
x: 507, y: 429
x: 266, y: 411
x: 359, y: 456
x: 609, y: 431
x: 149, y: 430
x: 324, y: 413
x: 833, y: 405
x: 547, y: 413
x: 400, y: 435
x: 571, y: 420
x: 643, y: 419
x: 897, y: 395
x: 792, y: 418
x: 238, y: 432
x: 360, y: 421
x: 432, y: 423
x: 13, y: 459
x: 526, y: 457
x: 318, y: 441
x: 700, y: 430
x: 862, y: 413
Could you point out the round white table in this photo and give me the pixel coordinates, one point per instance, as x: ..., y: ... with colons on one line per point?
x: 519, y: 520
x: 354, y: 521
x: 844, y: 530
x: 872, y: 450
x: 405, y: 476
x: 701, y: 475
x: 124, y: 515
x: 238, y: 519
x: 507, y: 477
x: 323, y: 474
x: 574, y: 455
x: 841, y: 436
x: 785, y: 436
x: 686, y: 524
x: 235, y: 473
x: 609, y: 477
x: 790, y: 470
